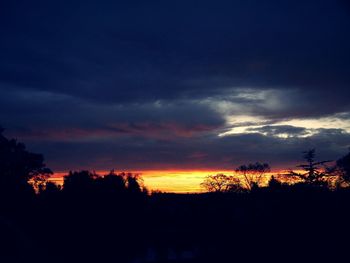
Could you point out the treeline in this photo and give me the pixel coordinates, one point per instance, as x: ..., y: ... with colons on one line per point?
x: 112, y: 218
x: 90, y: 217
x: 313, y: 173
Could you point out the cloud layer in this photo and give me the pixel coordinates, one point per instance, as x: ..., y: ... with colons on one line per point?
x: 186, y: 84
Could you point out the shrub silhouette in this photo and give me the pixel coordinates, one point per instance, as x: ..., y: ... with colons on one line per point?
x: 343, y: 168
x: 79, y: 182
x: 221, y: 183
x: 253, y: 174
x: 18, y: 167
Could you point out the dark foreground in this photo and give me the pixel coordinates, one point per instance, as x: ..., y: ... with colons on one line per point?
x: 279, y: 224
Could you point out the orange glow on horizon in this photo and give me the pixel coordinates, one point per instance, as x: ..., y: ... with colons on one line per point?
x: 174, y: 181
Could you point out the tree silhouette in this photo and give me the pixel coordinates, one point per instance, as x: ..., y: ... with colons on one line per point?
x: 86, y: 182
x: 221, y: 183
x: 134, y: 183
x: 314, y: 174
x: 19, y: 166
x: 253, y: 173
x: 342, y: 169
x: 274, y: 184
x: 112, y: 183
x: 79, y: 182
x: 39, y: 182
x: 51, y: 188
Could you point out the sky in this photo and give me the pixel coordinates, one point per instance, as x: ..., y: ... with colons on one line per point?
x: 175, y: 85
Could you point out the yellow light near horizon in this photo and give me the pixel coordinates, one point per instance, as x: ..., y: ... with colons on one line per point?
x: 177, y: 181
x: 174, y: 181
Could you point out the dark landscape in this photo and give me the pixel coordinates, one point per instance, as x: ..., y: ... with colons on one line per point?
x: 112, y: 218
x: 177, y: 131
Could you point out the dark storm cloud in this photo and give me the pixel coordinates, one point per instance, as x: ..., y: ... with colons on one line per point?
x: 154, y: 81
x: 149, y: 50
x: 44, y: 115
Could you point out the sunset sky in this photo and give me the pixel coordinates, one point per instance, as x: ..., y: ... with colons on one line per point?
x: 180, y: 86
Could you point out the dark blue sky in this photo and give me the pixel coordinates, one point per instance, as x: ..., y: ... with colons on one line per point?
x: 175, y: 84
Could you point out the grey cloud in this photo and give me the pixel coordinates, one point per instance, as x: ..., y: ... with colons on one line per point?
x: 146, y: 81
x: 274, y: 104
x: 276, y: 130
x: 145, y: 51
x: 43, y: 114
x: 200, y: 152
